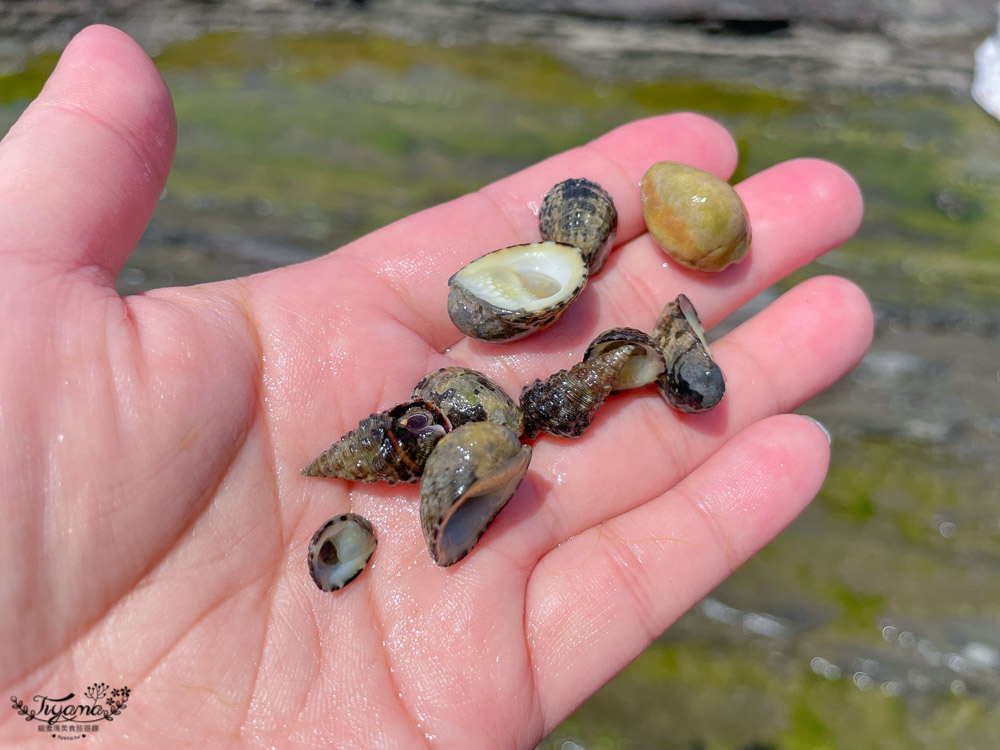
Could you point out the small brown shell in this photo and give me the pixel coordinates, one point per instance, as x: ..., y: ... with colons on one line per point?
x: 469, y: 478
x: 515, y: 291
x: 644, y: 366
x: 565, y: 403
x: 389, y: 446
x: 339, y: 550
x: 465, y: 395
x: 581, y: 213
x: 692, y: 382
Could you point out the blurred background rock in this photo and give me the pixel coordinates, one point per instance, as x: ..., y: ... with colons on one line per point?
x: 874, y: 621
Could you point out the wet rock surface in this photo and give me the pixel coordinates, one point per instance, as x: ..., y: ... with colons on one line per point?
x: 898, y: 43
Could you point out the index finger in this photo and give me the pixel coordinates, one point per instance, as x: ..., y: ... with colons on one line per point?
x: 414, y: 257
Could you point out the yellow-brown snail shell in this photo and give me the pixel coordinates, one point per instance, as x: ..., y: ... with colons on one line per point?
x: 565, y: 403
x: 389, y: 446
x: 644, y: 366
x: 692, y: 381
x: 339, y: 550
x: 465, y: 395
x: 472, y: 473
x: 695, y: 217
x: 580, y: 213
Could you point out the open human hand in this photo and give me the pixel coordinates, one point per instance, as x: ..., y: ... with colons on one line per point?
x: 155, y: 520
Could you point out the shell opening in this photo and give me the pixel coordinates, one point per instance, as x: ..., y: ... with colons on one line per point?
x: 339, y: 551
x: 464, y: 527
x: 691, y: 316
x: 476, y: 508
x: 525, y: 277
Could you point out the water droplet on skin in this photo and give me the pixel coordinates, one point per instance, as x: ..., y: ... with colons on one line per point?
x: 60, y: 437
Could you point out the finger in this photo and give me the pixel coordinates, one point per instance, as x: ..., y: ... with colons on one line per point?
x: 784, y: 355
x: 414, y: 258
x: 83, y: 167
x: 798, y: 211
x: 598, y: 600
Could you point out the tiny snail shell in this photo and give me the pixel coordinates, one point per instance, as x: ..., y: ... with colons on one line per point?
x: 339, y: 550
x: 515, y: 291
x: 695, y: 217
x: 692, y: 382
x: 580, y: 213
x: 565, y: 403
x: 644, y: 366
x: 391, y: 446
x: 469, y: 478
x: 465, y: 395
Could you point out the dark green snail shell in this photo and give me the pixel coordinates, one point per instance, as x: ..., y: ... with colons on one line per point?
x: 465, y: 395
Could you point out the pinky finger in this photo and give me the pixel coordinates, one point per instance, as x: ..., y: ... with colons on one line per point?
x: 596, y: 601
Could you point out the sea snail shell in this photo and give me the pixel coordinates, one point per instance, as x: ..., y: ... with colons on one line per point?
x: 692, y: 381
x: 565, y: 403
x: 389, y: 445
x: 472, y: 473
x: 339, y: 551
x: 580, y: 213
x: 515, y: 291
x: 644, y: 366
x: 465, y: 395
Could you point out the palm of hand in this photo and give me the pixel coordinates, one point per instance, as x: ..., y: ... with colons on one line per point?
x: 153, y: 446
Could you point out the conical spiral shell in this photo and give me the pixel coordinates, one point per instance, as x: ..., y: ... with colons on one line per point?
x: 644, y: 366
x: 565, y: 403
x: 389, y: 446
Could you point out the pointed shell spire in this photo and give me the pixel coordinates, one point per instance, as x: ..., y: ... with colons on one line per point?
x: 389, y: 446
x: 565, y: 403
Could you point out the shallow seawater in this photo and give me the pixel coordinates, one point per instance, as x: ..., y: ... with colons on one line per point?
x: 874, y: 621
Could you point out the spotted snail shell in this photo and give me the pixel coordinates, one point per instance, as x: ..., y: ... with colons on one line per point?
x: 465, y: 395
x: 692, y: 381
x: 389, y: 446
x: 469, y: 478
x: 581, y: 213
x: 565, y: 403
x: 644, y: 366
x: 339, y: 551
